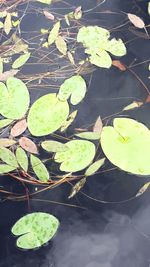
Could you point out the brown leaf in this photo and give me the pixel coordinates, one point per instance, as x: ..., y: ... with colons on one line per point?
x: 98, y: 126
x: 7, y: 74
x: 19, y: 128
x: 6, y: 142
x: 48, y: 15
x: 119, y: 65
x: 147, y: 99
x: 77, y: 187
x: 136, y: 21
x: 28, y: 145
x: 143, y: 189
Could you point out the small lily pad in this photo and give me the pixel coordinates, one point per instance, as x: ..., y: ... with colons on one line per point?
x: 35, y: 229
x: 79, y: 154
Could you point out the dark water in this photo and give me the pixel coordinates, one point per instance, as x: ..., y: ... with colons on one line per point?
x: 98, y: 235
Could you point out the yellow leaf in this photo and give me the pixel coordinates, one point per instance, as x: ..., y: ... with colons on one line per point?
x: 61, y: 45
x: 54, y: 33
x: 7, y: 24
x: 143, y: 189
x: 15, y: 23
x: 71, y: 58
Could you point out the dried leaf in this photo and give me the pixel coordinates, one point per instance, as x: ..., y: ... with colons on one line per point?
x: 28, y: 145
x: 6, y: 142
x: 77, y: 187
x: 54, y: 33
x: 7, y: 24
x: 20, y: 61
x: 119, y: 65
x: 136, y: 21
x: 61, y: 45
x: 19, y: 128
x: 147, y: 99
x: 48, y: 15
x: 98, y: 126
x: 7, y: 74
x: 71, y: 58
x: 143, y: 189
x: 133, y: 105
x: 22, y: 158
x: 92, y: 169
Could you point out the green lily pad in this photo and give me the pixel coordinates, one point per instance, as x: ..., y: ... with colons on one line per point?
x: 116, y: 47
x: 14, y: 99
x: 39, y: 168
x: 127, y: 145
x: 5, y: 122
x: 22, y: 158
x: 79, y: 155
x: 74, y: 87
x: 35, y: 229
x: 47, y: 115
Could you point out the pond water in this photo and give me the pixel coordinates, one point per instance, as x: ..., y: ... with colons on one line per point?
x: 91, y: 233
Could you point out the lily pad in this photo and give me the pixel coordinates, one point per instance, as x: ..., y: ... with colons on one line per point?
x: 47, y: 115
x: 74, y: 87
x: 14, y: 99
x: 35, y: 229
x: 127, y: 145
x: 79, y: 155
x: 5, y: 122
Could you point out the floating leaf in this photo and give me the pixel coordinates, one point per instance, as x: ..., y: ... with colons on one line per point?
x: 39, y: 169
x: 78, y: 155
x: 102, y: 60
x: 44, y: 31
x: 8, y: 157
x: 28, y: 145
x: 98, y: 126
x: 136, y: 21
x: 78, y: 13
x: 1, y: 65
x: 149, y: 8
x: 7, y: 74
x: 92, y: 169
x: 1, y: 25
x: 5, y: 122
x: 48, y: 15
x: 48, y: 2
x: 54, y: 33
x: 133, y: 105
x: 4, y: 168
x: 74, y: 86
x: 89, y: 135
x: 18, y: 46
x: 7, y: 24
x: 61, y: 45
x: 14, y: 99
x: 77, y: 187
x: 53, y: 146
x: 3, y: 14
x: 116, y: 47
x: 15, y: 23
x: 19, y: 128
x: 69, y: 121
x: 71, y: 58
x: 119, y: 65
x: 125, y: 145
x: 22, y: 158
x: 143, y: 189
x: 35, y: 229
x: 47, y: 115
x: 20, y: 61
x: 6, y: 142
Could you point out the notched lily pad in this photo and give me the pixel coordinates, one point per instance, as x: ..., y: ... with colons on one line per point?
x: 35, y: 229
x: 127, y: 145
x: 74, y: 87
x: 79, y: 155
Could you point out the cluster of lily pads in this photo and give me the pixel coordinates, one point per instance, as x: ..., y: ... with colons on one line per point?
x: 123, y: 144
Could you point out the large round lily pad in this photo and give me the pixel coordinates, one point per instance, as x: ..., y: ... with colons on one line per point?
x: 47, y: 115
x: 35, y: 229
x: 127, y: 145
x: 77, y: 156
x: 14, y: 99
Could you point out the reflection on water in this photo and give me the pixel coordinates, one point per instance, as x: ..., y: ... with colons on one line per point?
x: 97, y: 235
